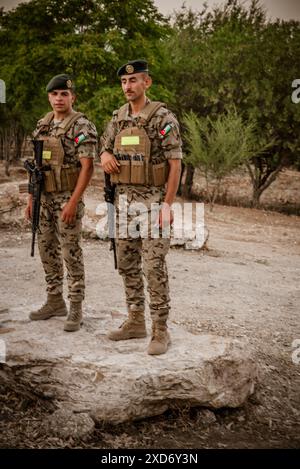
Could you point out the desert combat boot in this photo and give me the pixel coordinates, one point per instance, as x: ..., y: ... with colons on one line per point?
x: 133, y: 328
x: 74, y: 319
x: 160, y: 340
x: 54, y: 306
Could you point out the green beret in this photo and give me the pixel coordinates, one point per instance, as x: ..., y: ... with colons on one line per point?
x: 60, y: 82
x: 135, y: 66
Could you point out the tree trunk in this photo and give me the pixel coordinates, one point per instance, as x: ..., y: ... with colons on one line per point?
x: 188, y: 185
x: 256, y: 193
x: 261, y: 179
x: 18, y: 138
x: 8, y: 138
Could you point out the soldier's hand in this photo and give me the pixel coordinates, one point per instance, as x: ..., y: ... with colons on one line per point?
x: 109, y: 163
x: 166, y: 216
x: 68, y: 214
x: 28, y: 209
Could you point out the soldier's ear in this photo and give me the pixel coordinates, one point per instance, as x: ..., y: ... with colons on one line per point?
x: 148, y: 81
x: 73, y: 98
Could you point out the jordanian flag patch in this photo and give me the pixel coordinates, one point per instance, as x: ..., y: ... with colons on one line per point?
x: 79, y: 139
x: 166, y: 130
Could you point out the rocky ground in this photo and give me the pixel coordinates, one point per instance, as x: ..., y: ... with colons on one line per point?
x: 245, y: 285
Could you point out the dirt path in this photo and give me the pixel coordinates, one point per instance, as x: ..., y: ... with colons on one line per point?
x: 245, y: 285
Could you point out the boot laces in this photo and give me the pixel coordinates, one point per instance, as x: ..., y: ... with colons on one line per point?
x: 44, y: 308
x: 125, y: 323
x: 52, y: 302
x: 158, y: 334
x: 75, y: 313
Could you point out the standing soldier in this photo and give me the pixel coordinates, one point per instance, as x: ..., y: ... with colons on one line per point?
x: 141, y: 150
x: 69, y: 147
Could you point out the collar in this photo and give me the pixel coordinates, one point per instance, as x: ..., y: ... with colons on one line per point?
x: 128, y: 113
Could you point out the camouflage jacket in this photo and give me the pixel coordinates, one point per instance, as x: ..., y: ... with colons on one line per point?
x: 73, y: 151
x: 168, y: 146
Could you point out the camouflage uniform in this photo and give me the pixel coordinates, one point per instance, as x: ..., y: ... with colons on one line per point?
x: 57, y: 239
x: 130, y: 251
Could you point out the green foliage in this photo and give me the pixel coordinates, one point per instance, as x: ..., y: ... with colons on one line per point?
x: 233, y: 56
x: 219, y: 146
x: 205, y: 62
x: 89, y: 39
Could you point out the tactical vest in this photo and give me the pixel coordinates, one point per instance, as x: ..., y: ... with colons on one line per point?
x: 59, y: 177
x: 132, y: 149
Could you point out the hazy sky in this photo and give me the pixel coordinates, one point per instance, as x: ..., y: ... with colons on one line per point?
x: 285, y: 9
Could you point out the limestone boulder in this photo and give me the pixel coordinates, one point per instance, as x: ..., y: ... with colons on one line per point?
x: 12, y: 204
x: 85, y: 372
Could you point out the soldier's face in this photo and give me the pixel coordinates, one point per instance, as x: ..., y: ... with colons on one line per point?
x: 61, y: 100
x: 134, y: 86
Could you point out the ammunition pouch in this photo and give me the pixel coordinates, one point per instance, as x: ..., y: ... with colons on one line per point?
x: 58, y: 176
x: 49, y: 181
x: 132, y: 150
x: 137, y: 174
x: 68, y: 179
x: 133, y: 172
x: 160, y: 172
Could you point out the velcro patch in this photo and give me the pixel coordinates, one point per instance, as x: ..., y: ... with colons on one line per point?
x: 46, y: 155
x: 130, y: 140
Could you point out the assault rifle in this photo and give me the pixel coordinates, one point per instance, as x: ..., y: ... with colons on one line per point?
x: 36, y: 181
x: 109, y: 196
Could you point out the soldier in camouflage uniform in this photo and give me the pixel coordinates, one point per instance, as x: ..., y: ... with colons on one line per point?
x: 154, y: 162
x: 70, y: 145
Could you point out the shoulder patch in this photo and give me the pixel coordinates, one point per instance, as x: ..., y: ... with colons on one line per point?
x: 167, y: 128
x: 79, y: 138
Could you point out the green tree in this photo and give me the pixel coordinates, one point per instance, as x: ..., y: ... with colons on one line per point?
x: 88, y: 39
x: 218, y: 146
x: 233, y: 56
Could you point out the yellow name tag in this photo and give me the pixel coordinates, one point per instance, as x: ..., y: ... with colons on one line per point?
x: 131, y: 140
x: 46, y: 155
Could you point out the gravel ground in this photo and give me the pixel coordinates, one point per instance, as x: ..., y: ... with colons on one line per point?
x: 246, y: 284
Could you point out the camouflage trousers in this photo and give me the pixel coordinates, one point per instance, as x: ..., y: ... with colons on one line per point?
x: 139, y: 257
x: 59, y: 241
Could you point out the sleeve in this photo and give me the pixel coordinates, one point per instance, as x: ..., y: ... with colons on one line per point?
x: 170, y: 134
x: 86, y: 138
x: 36, y: 131
x: 107, y: 139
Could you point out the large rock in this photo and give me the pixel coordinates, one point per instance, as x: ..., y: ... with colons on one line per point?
x: 191, y: 242
x: 115, y: 382
x: 12, y: 210
x: 12, y: 204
